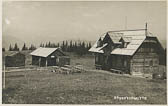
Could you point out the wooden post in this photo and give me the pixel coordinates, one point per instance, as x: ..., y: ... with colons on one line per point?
x: 39, y: 61
x: 46, y: 62
x: 4, y: 74
x: 146, y: 28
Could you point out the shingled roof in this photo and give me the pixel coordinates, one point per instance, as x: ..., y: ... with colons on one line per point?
x: 136, y: 38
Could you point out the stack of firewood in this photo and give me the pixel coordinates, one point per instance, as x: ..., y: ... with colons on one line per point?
x: 67, y: 69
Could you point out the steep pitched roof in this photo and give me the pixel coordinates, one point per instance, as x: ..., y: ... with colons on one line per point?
x: 43, y: 52
x: 115, y: 37
x: 137, y: 37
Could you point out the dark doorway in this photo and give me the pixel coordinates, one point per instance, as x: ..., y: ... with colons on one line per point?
x: 52, y: 62
x: 43, y: 62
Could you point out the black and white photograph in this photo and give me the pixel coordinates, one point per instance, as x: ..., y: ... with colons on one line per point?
x: 84, y: 52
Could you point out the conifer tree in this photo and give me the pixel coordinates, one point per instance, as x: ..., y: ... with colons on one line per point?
x: 24, y: 47
x: 15, y: 47
x: 3, y: 49
x: 10, y: 48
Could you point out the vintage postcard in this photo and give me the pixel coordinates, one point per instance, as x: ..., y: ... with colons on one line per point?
x: 84, y: 52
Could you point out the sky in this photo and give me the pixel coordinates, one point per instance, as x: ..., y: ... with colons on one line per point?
x: 42, y: 21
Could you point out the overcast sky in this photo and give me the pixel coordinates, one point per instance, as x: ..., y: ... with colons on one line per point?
x: 56, y: 21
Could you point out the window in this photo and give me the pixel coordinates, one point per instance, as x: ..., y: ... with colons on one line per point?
x: 151, y: 63
x: 155, y: 62
x: 146, y: 63
x: 52, y: 56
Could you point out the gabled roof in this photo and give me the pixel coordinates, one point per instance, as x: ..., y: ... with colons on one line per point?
x: 115, y: 37
x: 137, y: 37
x: 13, y: 53
x: 43, y: 52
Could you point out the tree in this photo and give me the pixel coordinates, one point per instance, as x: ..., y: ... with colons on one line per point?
x: 63, y: 46
x: 3, y: 49
x: 15, y: 47
x: 66, y: 46
x: 75, y: 47
x: 79, y: 50
x: 49, y: 44
x: 10, y: 48
x: 24, y: 47
x: 90, y: 45
x: 32, y: 47
x: 58, y: 45
x: 41, y: 45
x: 71, y: 46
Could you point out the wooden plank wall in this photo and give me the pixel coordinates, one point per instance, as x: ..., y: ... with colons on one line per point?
x: 120, y: 62
x: 145, y: 60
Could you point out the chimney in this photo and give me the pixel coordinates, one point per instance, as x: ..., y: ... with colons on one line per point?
x: 146, y: 28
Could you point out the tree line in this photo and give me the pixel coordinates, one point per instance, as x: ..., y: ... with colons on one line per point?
x: 16, y: 48
x: 79, y: 48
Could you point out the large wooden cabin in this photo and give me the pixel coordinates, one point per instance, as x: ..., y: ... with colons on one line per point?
x: 130, y: 51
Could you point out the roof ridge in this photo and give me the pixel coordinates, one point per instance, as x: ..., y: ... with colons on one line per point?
x: 127, y: 30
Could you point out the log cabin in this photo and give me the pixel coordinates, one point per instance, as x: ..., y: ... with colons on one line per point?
x: 49, y: 57
x: 134, y: 52
x: 15, y: 59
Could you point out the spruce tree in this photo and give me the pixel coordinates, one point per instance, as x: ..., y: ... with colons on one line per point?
x: 15, y: 47
x: 3, y: 49
x: 71, y: 46
x: 63, y: 46
x: 10, y: 48
x: 32, y: 47
x: 24, y: 47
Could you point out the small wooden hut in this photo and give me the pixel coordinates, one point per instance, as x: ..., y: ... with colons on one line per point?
x: 135, y: 52
x: 49, y: 57
x: 15, y: 59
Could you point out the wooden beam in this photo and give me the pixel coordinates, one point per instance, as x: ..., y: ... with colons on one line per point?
x: 39, y: 61
x: 4, y: 73
x: 46, y: 62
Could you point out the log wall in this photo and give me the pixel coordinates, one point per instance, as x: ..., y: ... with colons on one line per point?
x: 145, y: 60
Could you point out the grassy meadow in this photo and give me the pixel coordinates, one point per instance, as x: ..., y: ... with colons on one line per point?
x: 90, y: 87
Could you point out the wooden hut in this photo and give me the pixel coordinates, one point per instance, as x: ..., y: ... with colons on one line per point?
x: 49, y: 57
x: 130, y: 51
x: 15, y: 59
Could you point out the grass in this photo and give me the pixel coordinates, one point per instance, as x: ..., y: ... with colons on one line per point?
x: 45, y: 87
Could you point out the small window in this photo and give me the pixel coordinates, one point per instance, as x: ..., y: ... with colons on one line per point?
x: 155, y: 62
x: 151, y: 63
x: 52, y: 56
x: 146, y: 63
